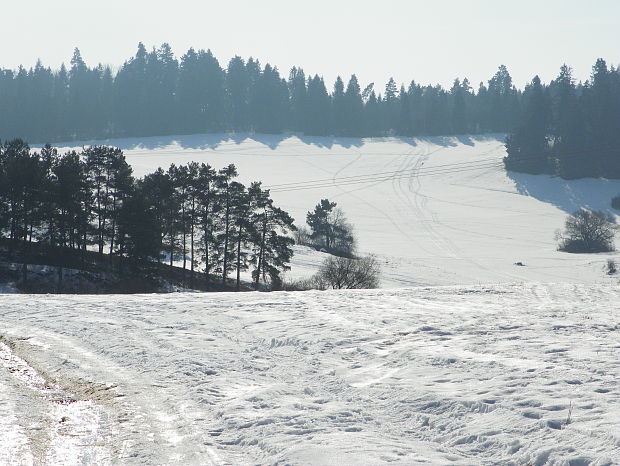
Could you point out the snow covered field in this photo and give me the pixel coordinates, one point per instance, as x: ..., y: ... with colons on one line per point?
x: 437, y: 211
x: 478, y: 361
x: 504, y: 374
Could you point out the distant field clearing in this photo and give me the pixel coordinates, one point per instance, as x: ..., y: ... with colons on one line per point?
x: 435, y: 210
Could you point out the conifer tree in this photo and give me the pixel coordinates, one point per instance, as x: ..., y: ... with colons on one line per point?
x: 318, y: 108
x: 271, y: 248
x: 528, y: 148
x: 298, y: 100
x: 353, y: 124
x: 459, y: 108
x: 372, y: 116
x: 242, y: 228
x: 404, y: 120
x: 392, y: 108
x: 158, y: 190
x: 208, y: 209
x: 226, y: 192
x: 339, y: 112
x: 238, y: 94
x: 139, y: 238
x: 567, y: 127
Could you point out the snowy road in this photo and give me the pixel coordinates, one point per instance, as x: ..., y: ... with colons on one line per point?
x: 519, y: 374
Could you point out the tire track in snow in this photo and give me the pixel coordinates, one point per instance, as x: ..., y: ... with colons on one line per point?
x: 69, y: 429
x: 145, y: 422
x: 413, y: 197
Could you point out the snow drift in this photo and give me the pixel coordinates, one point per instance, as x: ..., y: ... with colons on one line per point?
x: 511, y: 374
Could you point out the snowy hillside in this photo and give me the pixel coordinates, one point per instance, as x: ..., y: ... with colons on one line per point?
x: 492, y: 364
x: 510, y: 374
x: 435, y: 210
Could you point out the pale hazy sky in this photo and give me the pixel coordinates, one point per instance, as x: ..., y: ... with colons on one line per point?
x: 429, y: 41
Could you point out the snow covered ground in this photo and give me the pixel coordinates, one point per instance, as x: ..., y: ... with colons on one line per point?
x: 505, y: 374
x: 436, y: 211
x: 479, y: 361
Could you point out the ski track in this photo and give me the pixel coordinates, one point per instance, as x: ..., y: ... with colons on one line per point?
x: 452, y: 227
x: 436, y: 375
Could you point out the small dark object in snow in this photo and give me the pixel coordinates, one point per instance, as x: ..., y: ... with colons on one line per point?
x: 520, y: 264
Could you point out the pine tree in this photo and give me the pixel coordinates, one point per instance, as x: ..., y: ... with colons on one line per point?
x: 459, y: 108
x: 208, y: 209
x: 270, y: 102
x: 339, y: 112
x: 568, y: 131
x: 139, y: 238
x: 130, y: 98
x: 319, y: 222
x: 353, y: 124
x: 404, y: 121
x: 392, y: 108
x: 372, y: 116
x: 158, y: 189
x: 298, y: 99
x: 601, y: 101
x: 238, y: 94
x: 271, y: 247
x: 242, y: 228
x: 528, y: 148
x: 226, y: 191
x: 318, y: 108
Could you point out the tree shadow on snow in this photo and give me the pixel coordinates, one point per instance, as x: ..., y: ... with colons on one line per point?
x: 568, y: 195
x: 273, y: 141
x: 460, y: 139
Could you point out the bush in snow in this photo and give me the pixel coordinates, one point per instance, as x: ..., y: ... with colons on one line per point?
x: 587, y: 231
x: 341, y: 272
x: 612, y: 268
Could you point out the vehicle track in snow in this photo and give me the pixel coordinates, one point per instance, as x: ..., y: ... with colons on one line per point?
x: 460, y: 375
x: 411, y: 194
x: 52, y: 424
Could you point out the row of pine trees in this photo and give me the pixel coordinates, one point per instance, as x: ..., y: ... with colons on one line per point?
x: 564, y: 128
x: 192, y: 213
x: 154, y: 93
x: 568, y: 129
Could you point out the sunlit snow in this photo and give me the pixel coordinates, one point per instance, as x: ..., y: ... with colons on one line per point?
x: 478, y: 361
x: 510, y: 374
x: 438, y: 210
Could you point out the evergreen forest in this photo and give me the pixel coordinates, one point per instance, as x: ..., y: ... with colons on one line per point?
x: 567, y: 128
x: 75, y: 203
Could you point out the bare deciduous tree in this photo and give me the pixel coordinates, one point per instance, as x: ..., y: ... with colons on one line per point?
x: 588, y: 231
x: 341, y: 272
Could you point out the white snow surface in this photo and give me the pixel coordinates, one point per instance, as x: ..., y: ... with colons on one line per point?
x: 462, y: 358
x: 503, y: 374
x: 435, y: 211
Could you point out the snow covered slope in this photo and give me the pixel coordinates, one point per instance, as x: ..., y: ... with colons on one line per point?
x: 435, y: 210
x: 505, y: 374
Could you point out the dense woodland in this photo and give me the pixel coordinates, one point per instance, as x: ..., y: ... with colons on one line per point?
x: 192, y: 214
x: 568, y: 129
x: 565, y: 128
x: 154, y: 93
